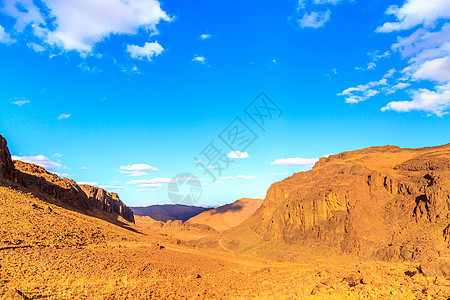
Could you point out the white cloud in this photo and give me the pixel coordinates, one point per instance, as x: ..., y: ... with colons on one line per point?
x: 5, y: 38
x: 137, y: 169
x: 111, y: 187
x: 199, y: 59
x: 371, y: 65
x: 134, y: 173
x: 427, y: 53
x: 363, y: 92
x: 39, y: 160
x: 226, y: 178
x: 332, y: 72
x: 295, y: 161
x: 219, y: 182
x: 435, y: 102
x: 36, y: 47
x: 56, y: 155
x: 238, y: 154
x: 205, y: 36
x: 399, y: 86
x: 79, y: 25
x: 416, y: 12
x: 92, y: 183
x: 20, y: 101
x: 63, y: 116
x: 333, y: 2
x: 437, y: 70
x: 315, y: 19
x: 85, y: 67
x: 150, y: 181
x: 245, y: 177
x: 148, y: 51
x: 375, y: 56
x: 153, y: 185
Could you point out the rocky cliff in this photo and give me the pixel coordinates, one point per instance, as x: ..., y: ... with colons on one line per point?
x: 66, y: 190
x: 109, y: 202
x: 6, y: 164
x: 382, y: 202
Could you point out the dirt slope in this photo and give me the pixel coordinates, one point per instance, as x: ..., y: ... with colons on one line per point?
x: 227, y: 216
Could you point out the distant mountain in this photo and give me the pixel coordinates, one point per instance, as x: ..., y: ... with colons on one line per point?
x: 167, y: 212
x: 227, y: 216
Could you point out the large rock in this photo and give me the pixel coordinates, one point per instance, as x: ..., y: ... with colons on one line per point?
x: 436, y: 268
x: 64, y: 189
x: 109, y: 202
x: 6, y: 164
x: 382, y: 202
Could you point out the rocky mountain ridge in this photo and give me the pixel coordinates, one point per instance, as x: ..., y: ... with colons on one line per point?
x: 82, y: 197
x: 382, y: 202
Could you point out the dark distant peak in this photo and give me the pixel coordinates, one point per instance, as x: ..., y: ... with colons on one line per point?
x: 165, y: 212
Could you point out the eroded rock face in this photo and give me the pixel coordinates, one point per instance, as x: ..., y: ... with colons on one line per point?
x: 105, y: 201
x: 383, y: 202
x: 6, y: 164
x: 66, y: 190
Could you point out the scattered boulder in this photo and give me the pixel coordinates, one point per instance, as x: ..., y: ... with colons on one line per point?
x: 353, y: 279
x: 436, y: 268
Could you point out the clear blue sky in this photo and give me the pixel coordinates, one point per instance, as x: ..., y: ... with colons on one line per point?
x: 88, y: 87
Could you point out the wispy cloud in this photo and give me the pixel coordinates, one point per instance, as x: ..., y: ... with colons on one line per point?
x: 64, y: 116
x: 245, y: 177
x: 226, y: 178
x: 36, y: 47
x: 363, y: 92
x: 238, y: 154
x: 20, y: 101
x: 111, y: 187
x: 137, y: 169
x: 40, y: 160
x: 427, y: 54
x: 295, y: 161
x: 5, y: 38
x: 150, y: 181
x: 200, y: 59
x: 314, y: 19
x: 205, y: 36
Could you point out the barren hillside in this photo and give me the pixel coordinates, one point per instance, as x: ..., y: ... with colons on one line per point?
x: 381, y: 202
x: 227, y: 216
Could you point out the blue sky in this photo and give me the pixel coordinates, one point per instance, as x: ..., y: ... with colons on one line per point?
x: 124, y: 95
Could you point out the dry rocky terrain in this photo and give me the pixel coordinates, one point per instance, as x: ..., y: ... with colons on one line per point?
x: 305, y: 242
